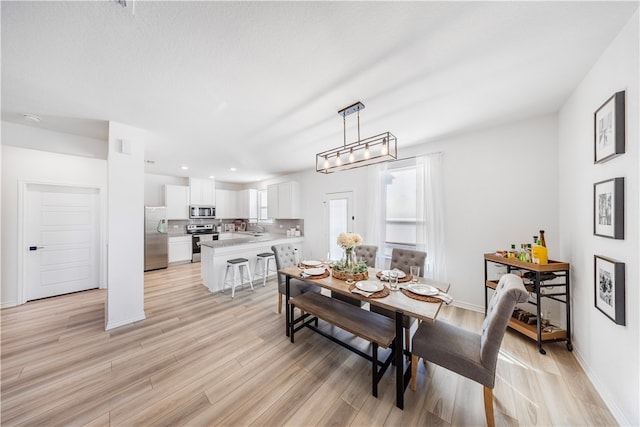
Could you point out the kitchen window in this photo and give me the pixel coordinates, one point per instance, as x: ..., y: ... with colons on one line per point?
x: 263, y: 202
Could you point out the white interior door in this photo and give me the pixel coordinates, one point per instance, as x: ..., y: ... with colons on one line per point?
x: 340, y: 219
x: 61, y: 240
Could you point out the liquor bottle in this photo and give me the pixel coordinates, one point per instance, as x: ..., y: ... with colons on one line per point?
x: 539, y: 253
x: 523, y: 253
x: 543, y: 243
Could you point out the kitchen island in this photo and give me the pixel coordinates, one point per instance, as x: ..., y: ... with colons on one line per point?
x: 235, y: 245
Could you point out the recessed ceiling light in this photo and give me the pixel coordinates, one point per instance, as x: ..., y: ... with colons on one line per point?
x: 32, y: 118
x: 233, y: 169
x: 211, y: 176
x: 184, y: 168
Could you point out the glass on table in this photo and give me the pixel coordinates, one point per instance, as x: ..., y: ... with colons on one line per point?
x: 393, y: 280
x: 415, y: 273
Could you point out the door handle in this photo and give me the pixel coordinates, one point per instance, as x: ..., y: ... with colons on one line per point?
x: 35, y: 248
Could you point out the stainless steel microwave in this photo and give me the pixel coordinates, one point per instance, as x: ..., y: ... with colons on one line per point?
x: 202, y: 211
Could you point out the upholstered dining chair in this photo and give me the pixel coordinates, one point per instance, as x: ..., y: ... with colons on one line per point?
x: 285, y: 257
x: 468, y: 353
x: 367, y: 253
x: 402, y: 259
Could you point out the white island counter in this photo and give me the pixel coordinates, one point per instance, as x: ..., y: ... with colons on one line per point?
x: 214, y: 254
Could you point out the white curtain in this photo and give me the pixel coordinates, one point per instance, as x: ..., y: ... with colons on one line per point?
x: 429, y: 215
x: 375, y: 210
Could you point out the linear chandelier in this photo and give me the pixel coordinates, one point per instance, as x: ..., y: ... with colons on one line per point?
x: 363, y: 152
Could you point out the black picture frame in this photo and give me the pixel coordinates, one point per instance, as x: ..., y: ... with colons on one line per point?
x: 608, y: 129
x: 609, y: 288
x: 608, y: 208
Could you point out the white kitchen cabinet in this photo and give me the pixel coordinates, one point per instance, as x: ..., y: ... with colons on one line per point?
x: 202, y: 191
x: 272, y: 201
x: 284, y: 200
x: 248, y: 204
x: 226, y: 204
x: 176, y: 197
x: 179, y: 249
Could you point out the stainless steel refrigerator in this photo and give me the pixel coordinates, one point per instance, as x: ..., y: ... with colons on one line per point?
x: 155, y: 238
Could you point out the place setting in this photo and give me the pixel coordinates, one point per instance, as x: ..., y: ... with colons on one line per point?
x: 313, y: 269
x: 370, y: 289
x: 422, y: 291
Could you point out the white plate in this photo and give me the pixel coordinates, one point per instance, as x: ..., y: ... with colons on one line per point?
x: 314, y: 271
x: 401, y: 274
x: 312, y: 262
x: 421, y: 289
x: 369, y: 286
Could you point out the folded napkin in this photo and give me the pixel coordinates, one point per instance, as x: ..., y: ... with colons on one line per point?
x: 446, y: 298
x: 358, y: 291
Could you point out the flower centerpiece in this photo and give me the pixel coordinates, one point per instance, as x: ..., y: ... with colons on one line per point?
x: 349, y: 268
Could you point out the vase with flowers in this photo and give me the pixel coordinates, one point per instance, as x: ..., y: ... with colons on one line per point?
x: 349, y: 268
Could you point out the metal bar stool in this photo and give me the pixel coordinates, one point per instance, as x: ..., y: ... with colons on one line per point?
x: 264, y: 259
x: 235, y: 265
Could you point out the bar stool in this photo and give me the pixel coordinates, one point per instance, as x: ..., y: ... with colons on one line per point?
x: 264, y: 259
x: 235, y: 265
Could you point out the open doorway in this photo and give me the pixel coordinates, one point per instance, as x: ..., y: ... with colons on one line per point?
x: 340, y: 219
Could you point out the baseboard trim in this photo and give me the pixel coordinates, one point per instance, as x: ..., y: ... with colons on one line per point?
x: 112, y: 325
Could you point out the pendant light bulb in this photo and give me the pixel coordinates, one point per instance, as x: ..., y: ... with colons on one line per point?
x: 338, y: 160
x: 326, y: 163
x: 351, y: 156
x: 366, y: 151
x: 384, y: 150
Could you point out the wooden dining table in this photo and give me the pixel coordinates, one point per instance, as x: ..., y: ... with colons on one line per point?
x: 396, y: 301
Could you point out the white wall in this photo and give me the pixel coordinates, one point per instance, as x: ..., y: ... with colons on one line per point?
x: 20, y: 164
x: 125, y: 298
x: 56, y: 142
x: 500, y: 188
x: 608, y: 352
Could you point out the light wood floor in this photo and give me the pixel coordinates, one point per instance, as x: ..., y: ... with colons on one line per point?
x: 203, y: 359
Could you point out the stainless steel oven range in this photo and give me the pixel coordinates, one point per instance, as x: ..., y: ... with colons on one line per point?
x: 200, y: 233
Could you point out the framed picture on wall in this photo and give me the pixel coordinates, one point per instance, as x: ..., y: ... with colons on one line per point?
x: 608, y: 133
x: 608, y: 277
x: 608, y: 208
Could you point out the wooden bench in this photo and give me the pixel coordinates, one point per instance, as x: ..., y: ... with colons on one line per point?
x: 379, y: 330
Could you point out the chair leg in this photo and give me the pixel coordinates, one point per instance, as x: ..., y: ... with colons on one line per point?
x: 488, y: 406
x: 414, y: 371
x: 279, y: 302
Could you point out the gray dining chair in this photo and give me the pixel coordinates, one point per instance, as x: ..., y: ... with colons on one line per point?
x: 367, y: 253
x: 403, y: 259
x: 466, y: 352
x: 285, y: 257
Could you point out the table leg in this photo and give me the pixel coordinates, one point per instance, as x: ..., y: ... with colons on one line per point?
x: 287, y: 294
x: 399, y: 361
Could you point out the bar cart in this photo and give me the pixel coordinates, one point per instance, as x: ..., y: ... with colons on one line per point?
x: 537, y: 275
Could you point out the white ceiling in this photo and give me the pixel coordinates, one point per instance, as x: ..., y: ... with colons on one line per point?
x: 257, y: 85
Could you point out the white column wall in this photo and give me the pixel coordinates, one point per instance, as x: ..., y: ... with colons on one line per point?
x: 125, y: 297
x: 609, y: 353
